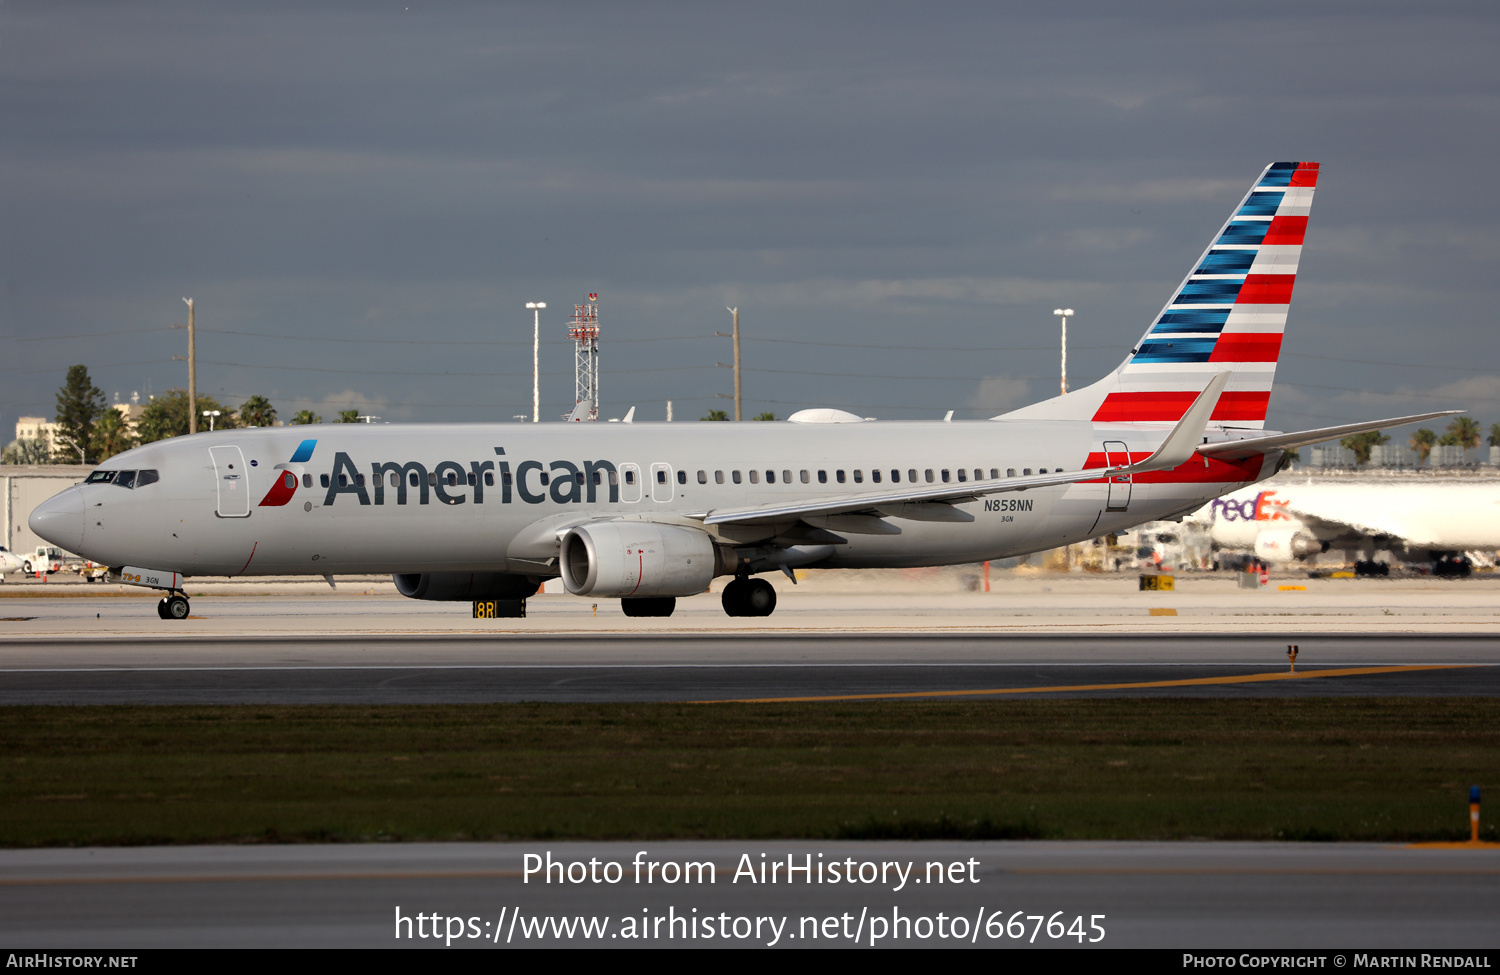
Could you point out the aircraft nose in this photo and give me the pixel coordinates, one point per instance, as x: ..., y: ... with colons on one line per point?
x: 59, y: 519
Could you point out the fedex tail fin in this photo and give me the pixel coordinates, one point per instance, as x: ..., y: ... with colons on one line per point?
x: 1227, y: 315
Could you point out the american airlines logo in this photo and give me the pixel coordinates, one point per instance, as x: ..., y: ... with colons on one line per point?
x: 455, y: 482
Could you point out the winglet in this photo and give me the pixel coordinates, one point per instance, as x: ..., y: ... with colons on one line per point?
x: 1185, y: 437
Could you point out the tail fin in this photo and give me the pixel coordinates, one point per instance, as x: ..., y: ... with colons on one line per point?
x: 1227, y: 315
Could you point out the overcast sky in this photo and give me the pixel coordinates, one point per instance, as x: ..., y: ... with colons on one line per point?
x: 362, y: 198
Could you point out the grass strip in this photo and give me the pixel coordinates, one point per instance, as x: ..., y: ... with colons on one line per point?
x: 1163, y: 768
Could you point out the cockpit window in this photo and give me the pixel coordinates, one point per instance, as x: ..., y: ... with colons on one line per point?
x: 101, y: 477
x: 146, y: 477
x: 126, y: 479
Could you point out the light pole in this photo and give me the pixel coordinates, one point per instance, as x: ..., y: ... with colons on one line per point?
x: 192, y: 373
x: 211, y: 414
x: 1064, y: 313
x: 536, y: 353
x: 736, y: 336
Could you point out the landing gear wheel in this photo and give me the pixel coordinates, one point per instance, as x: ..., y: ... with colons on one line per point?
x: 749, y: 597
x: 760, y: 598
x: 176, y: 608
x: 649, y: 606
x: 161, y: 607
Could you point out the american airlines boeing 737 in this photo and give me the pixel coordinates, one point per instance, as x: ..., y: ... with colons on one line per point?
x: 647, y: 512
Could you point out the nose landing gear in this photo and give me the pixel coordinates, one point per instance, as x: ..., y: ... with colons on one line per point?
x: 749, y: 597
x: 173, y: 607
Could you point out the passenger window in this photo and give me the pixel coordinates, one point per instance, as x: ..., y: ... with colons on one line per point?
x: 505, y: 478
x: 432, y: 478
x: 945, y: 475
x: 307, y: 480
x: 489, y: 478
x: 911, y: 475
x: 545, y: 478
x: 126, y: 479
x: 838, y: 476
x: 661, y: 477
x: 472, y: 479
x: 703, y: 477
x: 614, y: 478
x: 630, y: 477
x: 146, y: 477
x: 786, y: 477
x: 822, y: 477
x: 682, y: 477
x: 289, y: 480
x: 859, y: 477
x: 718, y: 477
x: 415, y: 479
x: 453, y: 478
x: 806, y: 479
x: 736, y: 476
x: 875, y: 476
x: 395, y: 479
x: 1010, y: 472
x: 963, y: 475
x: 343, y: 480
x: 1042, y: 471
x: 1027, y: 472
x: 978, y: 474
x: 755, y: 477
x: 323, y: 479
x: 994, y: 473
x: 359, y: 479
x: 770, y: 477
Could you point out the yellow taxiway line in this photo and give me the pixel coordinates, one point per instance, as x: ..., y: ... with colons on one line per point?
x: 1186, y: 682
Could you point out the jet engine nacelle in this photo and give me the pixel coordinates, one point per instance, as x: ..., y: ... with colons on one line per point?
x: 637, y: 558
x: 465, y: 586
x: 1285, y: 545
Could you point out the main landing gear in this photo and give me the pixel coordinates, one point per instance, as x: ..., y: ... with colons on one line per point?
x: 749, y: 597
x: 173, y: 607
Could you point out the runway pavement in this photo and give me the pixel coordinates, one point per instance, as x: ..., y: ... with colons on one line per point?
x: 1166, y: 895
x: 454, y: 669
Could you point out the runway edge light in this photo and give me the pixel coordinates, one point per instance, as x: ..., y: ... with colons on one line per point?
x: 1473, y: 814
x: 1291, y: 655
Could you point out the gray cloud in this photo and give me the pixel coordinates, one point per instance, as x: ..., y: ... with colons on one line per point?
x: 913, y: 188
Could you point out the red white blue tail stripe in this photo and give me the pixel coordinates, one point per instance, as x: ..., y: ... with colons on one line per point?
x: 1229, y: 313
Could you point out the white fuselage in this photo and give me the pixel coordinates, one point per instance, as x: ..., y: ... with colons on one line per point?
x: 1407, y: 516
x: 496, y: 497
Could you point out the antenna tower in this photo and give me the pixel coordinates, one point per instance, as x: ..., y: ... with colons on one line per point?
x: 583, y: 328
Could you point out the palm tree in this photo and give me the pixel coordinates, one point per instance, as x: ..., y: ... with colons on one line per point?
x: 715, y: 415
x: 766, y: 416
x: 1422, y: 442
x: 1494, y: 435
x: 348, y: 416
x: 1363, y: 443
x: 257, y: 411
x: 111, y: 435
x: 305, y: 417
x: 1463, y: 432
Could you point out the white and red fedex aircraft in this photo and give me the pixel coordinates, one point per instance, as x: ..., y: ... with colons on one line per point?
x: 648, y: 512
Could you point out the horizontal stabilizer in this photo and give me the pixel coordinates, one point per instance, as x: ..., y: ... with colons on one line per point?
x: 1241, y: 449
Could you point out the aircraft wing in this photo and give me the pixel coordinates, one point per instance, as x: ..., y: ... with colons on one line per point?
x: 1241, y: 449
x: 1365, y: 516
x: 1176, y: 449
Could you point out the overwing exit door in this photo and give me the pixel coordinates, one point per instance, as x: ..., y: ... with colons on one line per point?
x: 1117, y: 455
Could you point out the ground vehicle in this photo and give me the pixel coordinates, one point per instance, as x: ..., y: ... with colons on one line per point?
x: 45, y: 559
